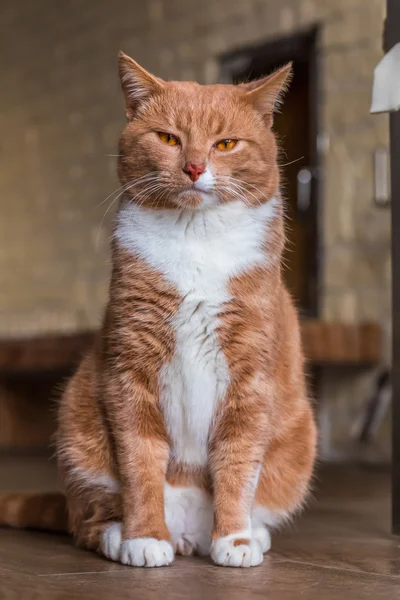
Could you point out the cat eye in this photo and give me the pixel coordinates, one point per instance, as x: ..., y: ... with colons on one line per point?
x: 226, y: 144
x: 168, y: 138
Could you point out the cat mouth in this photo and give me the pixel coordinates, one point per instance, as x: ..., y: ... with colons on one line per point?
x: 199, y: 189
x: 196, y: 198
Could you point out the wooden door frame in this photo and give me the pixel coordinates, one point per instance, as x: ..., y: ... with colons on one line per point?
x: 392, y: 37
x: 279, y: 51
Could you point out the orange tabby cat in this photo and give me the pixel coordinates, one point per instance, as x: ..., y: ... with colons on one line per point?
x: 187, y: 428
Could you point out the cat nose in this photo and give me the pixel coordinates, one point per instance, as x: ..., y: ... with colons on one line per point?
x: 194, y: 171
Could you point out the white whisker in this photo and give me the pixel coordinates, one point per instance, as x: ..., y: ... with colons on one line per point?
x: 242, y: 189
x: 291, y: 162
x: 239, y: 185
x: 130, y: 184
x: 149, y: 179
x: 105, y: 214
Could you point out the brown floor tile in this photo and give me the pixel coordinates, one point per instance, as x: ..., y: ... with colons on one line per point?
x: 197, y: 580
x: 341, y: 547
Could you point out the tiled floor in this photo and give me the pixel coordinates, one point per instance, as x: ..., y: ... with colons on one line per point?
x: 340, y: 548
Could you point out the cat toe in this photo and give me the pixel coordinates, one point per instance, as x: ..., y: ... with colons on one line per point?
x: 226, y: 554
x: 110, y: 543
x: 146, y: 552
x: 263, y: 537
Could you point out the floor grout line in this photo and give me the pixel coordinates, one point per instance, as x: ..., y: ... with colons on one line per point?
x: 333, y: 568
x: 127, y: 570
x: 3, y: 568
x: 274, y: 561
x: 85, y: 573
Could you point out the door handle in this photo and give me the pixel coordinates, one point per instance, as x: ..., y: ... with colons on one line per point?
x: 304, y: 180
x: 381, y: 177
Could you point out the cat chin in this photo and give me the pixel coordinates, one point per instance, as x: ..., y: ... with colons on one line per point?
x: 196, y: 200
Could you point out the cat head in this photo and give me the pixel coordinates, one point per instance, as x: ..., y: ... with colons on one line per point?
x: 187, y: 145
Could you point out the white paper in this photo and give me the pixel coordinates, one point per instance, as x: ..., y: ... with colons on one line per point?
x: 386, y: 87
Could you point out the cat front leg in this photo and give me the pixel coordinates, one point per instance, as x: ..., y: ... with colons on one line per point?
x: 235, y: 458
x: 146, y: 539
x: 142, y: 452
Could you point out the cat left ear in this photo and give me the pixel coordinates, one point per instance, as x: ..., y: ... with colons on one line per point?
x: 266, y: 93
x: 137, y: 83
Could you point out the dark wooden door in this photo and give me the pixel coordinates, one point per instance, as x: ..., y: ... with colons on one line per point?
x: 296, y: 132
x: 293, y: 129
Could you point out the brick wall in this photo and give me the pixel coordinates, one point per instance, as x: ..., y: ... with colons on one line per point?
x: 61, y: 111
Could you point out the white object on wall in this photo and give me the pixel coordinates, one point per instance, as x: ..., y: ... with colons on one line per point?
x: 386, y: 86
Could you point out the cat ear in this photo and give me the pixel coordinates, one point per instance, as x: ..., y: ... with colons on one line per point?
x: 266, y: 93
x: 137, y: 83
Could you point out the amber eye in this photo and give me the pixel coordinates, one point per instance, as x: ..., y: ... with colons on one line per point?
x: 168, y: 138
x: 226, y: 144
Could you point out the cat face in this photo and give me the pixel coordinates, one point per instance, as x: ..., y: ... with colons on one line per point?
x: 187, y: 145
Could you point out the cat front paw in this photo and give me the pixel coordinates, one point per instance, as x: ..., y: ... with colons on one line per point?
x: 146, y: 552
x: 230, y: 552
x: 136, y: 552
x: 263, y: 537
x: 110, y: 542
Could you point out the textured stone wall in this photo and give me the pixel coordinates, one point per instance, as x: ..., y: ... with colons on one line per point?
x: 61, y: 111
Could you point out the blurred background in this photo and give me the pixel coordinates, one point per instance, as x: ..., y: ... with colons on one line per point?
x: 61, y: 111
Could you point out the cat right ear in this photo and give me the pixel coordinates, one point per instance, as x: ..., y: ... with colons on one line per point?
x: 137, y: 83
x: 266, y: 93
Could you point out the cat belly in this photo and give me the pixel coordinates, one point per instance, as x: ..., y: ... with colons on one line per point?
x: 195, y: 381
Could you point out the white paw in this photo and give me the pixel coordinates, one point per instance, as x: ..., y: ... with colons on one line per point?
x: 262, y: 535
x: 146, y: 552
x: 226, y: 554
x: 110, y: 543
x: 185, y: 546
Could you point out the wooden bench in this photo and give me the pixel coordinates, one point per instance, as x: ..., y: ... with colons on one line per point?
x: 341, y: 344
x: 324, y: 344
x: 30, y: 369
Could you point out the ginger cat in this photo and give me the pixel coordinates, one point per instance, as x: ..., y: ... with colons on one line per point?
x: 187, y: 427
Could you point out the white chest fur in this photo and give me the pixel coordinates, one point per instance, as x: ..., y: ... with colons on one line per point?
x: 198, y: 252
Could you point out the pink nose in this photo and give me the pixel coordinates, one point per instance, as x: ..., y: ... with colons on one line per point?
x: 194, y: 171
